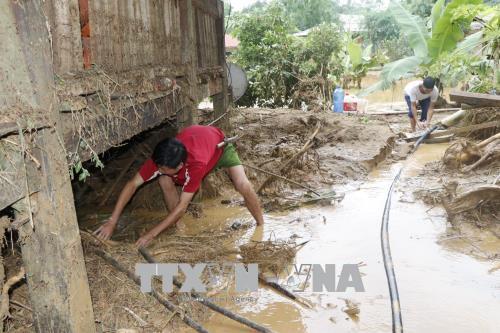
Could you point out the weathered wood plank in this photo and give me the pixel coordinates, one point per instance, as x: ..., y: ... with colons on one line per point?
x: 64, y: 16
x: 221, y: 99
x: 207, y: 6
x: 156, y: 109
x: 51, y: 246
x: 475, y: 98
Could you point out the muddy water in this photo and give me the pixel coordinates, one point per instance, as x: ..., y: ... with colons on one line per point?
x: 441, y: 289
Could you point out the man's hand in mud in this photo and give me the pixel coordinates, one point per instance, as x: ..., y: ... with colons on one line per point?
x: 144, y: 240
x: 106, y: 230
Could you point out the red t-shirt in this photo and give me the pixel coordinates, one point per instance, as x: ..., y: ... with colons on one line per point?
x: 202, y: 156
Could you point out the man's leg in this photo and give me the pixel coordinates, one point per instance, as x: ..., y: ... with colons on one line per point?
x: 170, y: 194
x: 424, y: 105
x: 413, y: 122
x: 243, y: 185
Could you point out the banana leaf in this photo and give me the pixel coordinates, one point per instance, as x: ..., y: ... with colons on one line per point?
x: 392, y: 72
x: 470, y: 42
x: 446, y: 34
x: 399, y: 68
x: 437, y: 11
x: 413, y: 27
x: 355, y: 53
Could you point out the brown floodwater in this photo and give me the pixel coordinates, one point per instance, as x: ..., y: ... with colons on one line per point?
x: 441, y: 288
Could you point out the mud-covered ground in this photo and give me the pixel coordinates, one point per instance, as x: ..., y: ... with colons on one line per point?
x: 344, y: 149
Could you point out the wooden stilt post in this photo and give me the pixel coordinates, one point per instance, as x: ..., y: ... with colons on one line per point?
x: 221, y: 100
x: 51, y: 246
x: 189, y: 116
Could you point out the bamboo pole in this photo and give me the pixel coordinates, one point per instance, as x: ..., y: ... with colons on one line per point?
x: 131, y: 275
x: 149, y: 258
x: 282, y: 178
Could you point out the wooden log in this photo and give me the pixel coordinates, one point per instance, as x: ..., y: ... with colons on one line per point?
x: 388, y: 113
x: 162, y: 300
x: 282, y: 290
x: 472, y: 199
x: 457, y: 130
x: 475, y: 98
x: 149, y: 258
x: 282, y: 178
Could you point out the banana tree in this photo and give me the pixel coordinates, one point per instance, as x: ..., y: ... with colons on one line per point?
x: 447, y: 32
x: 357, y: 61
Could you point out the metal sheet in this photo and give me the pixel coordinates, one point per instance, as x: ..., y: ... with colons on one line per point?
x: 237, y: 80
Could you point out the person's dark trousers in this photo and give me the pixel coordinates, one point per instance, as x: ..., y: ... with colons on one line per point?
x: 424, y: 105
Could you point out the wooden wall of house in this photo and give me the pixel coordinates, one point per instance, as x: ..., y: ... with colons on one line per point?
x: 128, y: 34
x: 206, y: 39
x: 123, y: 35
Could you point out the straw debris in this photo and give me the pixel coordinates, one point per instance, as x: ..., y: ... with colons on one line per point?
x: 272, y: 256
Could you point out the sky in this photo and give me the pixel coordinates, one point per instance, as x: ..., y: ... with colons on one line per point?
x: 238, y: 5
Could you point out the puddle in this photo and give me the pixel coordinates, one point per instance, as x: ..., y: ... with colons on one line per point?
x: 441, y: 290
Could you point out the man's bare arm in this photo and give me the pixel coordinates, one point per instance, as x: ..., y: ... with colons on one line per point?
x: 169, y: 192
x: 430, y: 113
x: 414, y: 113
x: 106, y: 230
x: 414, y: 110
x: 172, y: 218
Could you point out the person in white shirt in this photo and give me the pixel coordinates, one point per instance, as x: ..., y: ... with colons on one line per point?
x: 425, y: 93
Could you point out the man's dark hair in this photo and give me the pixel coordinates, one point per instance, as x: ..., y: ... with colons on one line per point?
x: 429, y: 82
x: 169, y: 153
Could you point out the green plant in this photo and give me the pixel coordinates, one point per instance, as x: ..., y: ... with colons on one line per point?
x: 357, y: 61
x: 380, y: 26
x: 449, y: 23
x: 265, y: 53
x: 76, y: 165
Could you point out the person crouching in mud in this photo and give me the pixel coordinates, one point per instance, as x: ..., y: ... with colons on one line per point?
x: 424, y: 93
x: 184, y: 160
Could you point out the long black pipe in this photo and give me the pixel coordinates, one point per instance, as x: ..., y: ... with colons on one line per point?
x: 397, y: 320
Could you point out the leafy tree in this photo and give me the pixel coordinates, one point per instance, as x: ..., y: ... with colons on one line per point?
x: 321, y: 49
x: 266, y: 54
x: 421, y: 8
x: 381, y: 26
x: 305, y: 14
x: 318, y: 64
x: 383, y: 32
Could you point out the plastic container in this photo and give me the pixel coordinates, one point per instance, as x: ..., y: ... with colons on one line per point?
x: 338, y: 100
x: 350, y: 103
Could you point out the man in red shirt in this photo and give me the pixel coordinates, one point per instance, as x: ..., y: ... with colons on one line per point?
x: 185, y: 160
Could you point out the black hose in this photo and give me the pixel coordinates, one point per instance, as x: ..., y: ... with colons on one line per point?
x: 397, y: 321
x: 423, y: 137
